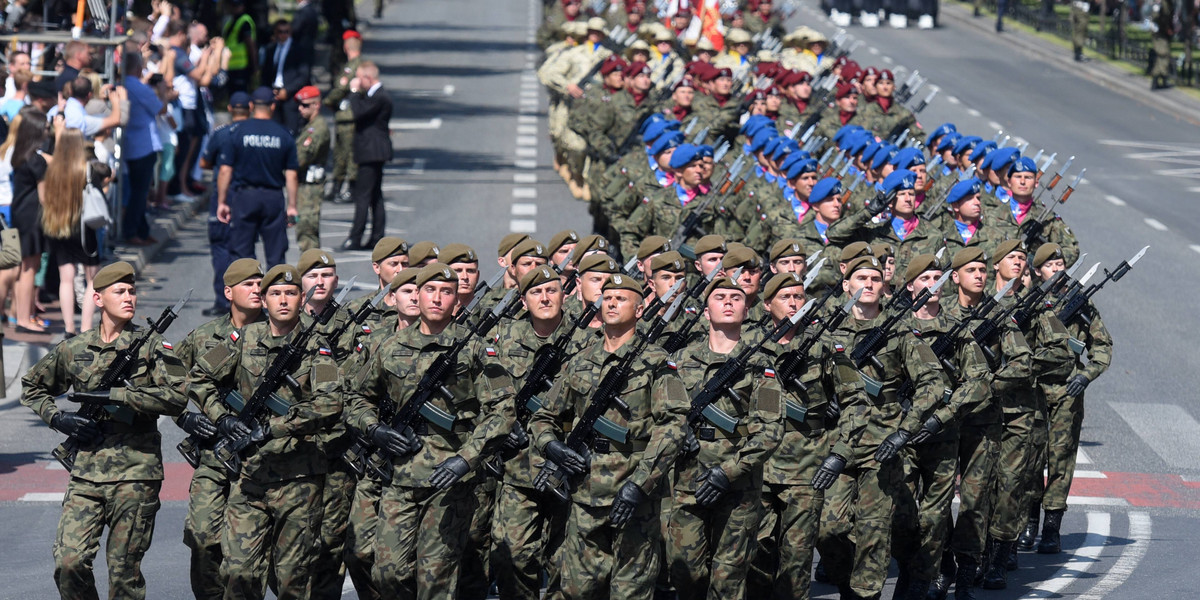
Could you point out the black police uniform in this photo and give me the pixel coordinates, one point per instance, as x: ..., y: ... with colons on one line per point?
x: 259, y: 152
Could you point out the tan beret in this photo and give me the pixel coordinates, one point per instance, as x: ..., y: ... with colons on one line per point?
x: 883, y: 250
x: 388, y: 247
x: 539, y: 276
x: 919, y: 264
x: 967, y: 256
x: 590, y: 243
x: 668, y: 261
x: 740, y: 257
x: 110, y: 274
x: 314, y: 258
x: 1005, y: 248
x: 1047, y: 252
x: 423, y: 251
x: 709, y: 243
x: 654, y: 244
x: 458, y: 253
x: 863, y: 262
x: 435, y: 271
x: 786, y: 248
x: 598, y: 263
x: 529, y: 247
x: 562, y: 238
x: 720, y: 283
x: 780, y: 281
x: 280, y: 275
x: 403, y: 277
x: 624, y: 282
x: 855, y: 250
x: 241, y: 270
x: 509, y: 242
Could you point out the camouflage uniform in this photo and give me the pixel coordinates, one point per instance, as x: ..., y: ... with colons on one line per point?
x: 710, y: 547
x: 113, y: 485
x: 1056, y: 230
x: 599, y: 560
x: 893, y: 121
x: 422, y: 531
x: 925, y: 239
x: 273, y: 519
x: 856, y: 520
x: 831, y: 122
x: 722, y: 119
x: 528, y: 527
x: 344, y: 167
x: 312, y: 150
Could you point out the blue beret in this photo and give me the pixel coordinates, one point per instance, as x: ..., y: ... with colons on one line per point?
x: 655, y: 130
x: 844, y: 131
x: 825, y: 188
x: 650, y: 120
x: 964, y: 189
x: 785, y: 147
x: 948, y: 141
x: 1023, y: 165
x: 1000, y: 159
x: 684, y: 154
x: 801, y: 167
x: 666, y: 142
x: 760, y: 140
x: 754, y: 122
x: 792, y: 159
x: 966, y: 143
x: 883, y: 155
x: 704, y: 151
x: 861, y: 143
x: 981, y: 150
x: 900, y: 179
x: 262, y: 95
x: 941, y: 131
x: 907, y: 158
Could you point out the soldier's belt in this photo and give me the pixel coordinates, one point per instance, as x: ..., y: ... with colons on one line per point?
x: 602, y: 445
x: 710, y: 434
x: 424, y: 428
x: 275, y: 404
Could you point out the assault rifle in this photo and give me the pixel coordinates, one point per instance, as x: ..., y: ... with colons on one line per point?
x: 679, y: 338
x: 875, y: 339
x: 481, y: 290
x: 1032, y: 230
x: 1073, y: 306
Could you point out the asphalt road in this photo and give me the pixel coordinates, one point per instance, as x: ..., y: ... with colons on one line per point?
x: 473, y: 164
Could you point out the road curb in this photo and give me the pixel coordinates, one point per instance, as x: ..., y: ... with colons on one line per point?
x: 1136, y: 87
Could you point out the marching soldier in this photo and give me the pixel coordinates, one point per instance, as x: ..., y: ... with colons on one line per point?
x: 312, y: 151
x: 885, y: 116
x: 273, y: 519
x: 209, y: 490
x: 1020, y: 210
x: 1164, y: 19
x: 345, y: 170
x: 844, y: 112
x: 118, y: 470
x: 388, y: 258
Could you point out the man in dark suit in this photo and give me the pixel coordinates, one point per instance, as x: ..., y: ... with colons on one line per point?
x: 286, y: 69
x: 304, y: 29
x: 372, y: 108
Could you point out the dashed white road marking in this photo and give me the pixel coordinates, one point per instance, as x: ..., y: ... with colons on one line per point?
x: 1081, y: 561
x: 953, y: 99
x: 525, y: 163
x: 400, y: 187
x: 527, y: 119
x: 418, y: 167
x: 522, y: 226
x: 1096, y: 501
x: 1156, y: 224
x: 527, y: 140
x: 1195, y: 248
x: 434, y: 123
x: 530, y: 56
x: 532, y: 93
x: 524, y: 177
x: 54, y: 465
x: 524, y: 209
x: 524, y: 192
x: 873, y: 50
x: 448, y: 89
x: 973, y: 112
x: 994, y: 125
x: 43, y: 497
x: 1115, y: 200
x: 525, y: 152
x: 527, y: 129
x: 1139, y: 531
x: 1082, y: 458
x: 887, y: 59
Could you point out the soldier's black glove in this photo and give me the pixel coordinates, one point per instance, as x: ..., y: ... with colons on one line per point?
x: 566, y: 458
x: 195, y: 423
x: 449, y: 472
x: 892, y: 445
x: 516, y: 439
x: 878, y: 204
x: 932, y: 427
x: 83, y: 429
x: 833, y: 410
x: 97, y: 397
x: 713, y: 483
x: 389, y: 439
x: 628, y: 499
x: 831, y: 467
x: 1077, y: 384
x: 232, y: 429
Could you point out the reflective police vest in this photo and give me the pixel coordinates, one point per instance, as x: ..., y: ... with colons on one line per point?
x: 239, y: 57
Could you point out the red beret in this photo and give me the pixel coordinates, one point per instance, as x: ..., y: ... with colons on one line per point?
x: 724, y: 73
x: 867, y: 72
x: 612, y: 63
x: 350, y: 33
x: 767, y: 69
x: 840, y: 61
x: 805, y: 77
x: 686, y: 82
x: 308, y: 92
x: 774, y: 91
x: 756, y: 95
x: 845, y: 89
x: 886, y: 75
x: 637, y: 68
x: 850, y: 72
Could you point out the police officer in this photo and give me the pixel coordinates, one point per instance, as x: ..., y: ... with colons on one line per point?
x: 218, y: 231
x: 251, y: 198
x: 118, y: 470
x: 312, y: 150
x: 273, y: 518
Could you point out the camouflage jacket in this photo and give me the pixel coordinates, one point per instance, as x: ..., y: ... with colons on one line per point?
x: 609, y: 121
x: 722, y: 120
x: 132, y: 446
x: 204, y: 338
x: 477, y: 385
x: 239, y: 363
x: 892, y: 122
x: 1090, y: 338
x: 758, y: 408
x: 1009, y: 360
x: 658, y: 405
x: 312, y: 151
x: 925, y: 239
x: 1055, y: 230
x: 336, y: 98
x: 382, y: 316
x: 970, y: 380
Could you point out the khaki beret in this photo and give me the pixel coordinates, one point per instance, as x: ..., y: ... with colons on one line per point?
x: 562, y: 238
x: 241, y: 270
x: 720, y: 283
x: 919, y: 264
x: 458, y: 253
x: 739, y: 257
x: 118, y: 271
x: 314, y: 258
x: 710, y: 243
x: 590, y: 243
x: 435, y: 271
x: 855, y: 250
x: 624, y: 282
x: 668, y: 261
x: 967, y: 256
x: 529, y: 247
x: 280, y: 275
x: 780, y: 281
x: 786, y: 248
x: 883, y: 250
x: 598, y: 263
x: 1005, y: 248
x: 539, y: 276
x: 737, y: 35
x: 574, y: 29
x: 422, y: 251
x: 654, y: 244
x: 1047, y: 252
x: 403, y: 277
x: 388, y: 247
x: 863, y: 262
x: 596, y: 24
x: 510, y: 241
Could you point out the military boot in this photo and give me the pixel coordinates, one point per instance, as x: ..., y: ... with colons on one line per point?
x: 941, y: 584
x: 821, y: 575
x: 965, y: 580
x: 1025, y: 541
x: 917, y: 588
x: 1011, y: 563
x: 996, y: 577
x: 902, y: 584
x: 1051, y: 540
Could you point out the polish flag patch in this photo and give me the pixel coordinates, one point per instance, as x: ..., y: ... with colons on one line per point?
x: 325, y: 352
x: 366, y: 329
x: 490, y: 351
x: 167, y: 345
x: 671, y: 365
x: 839, y: 348
x: 769, y: 373
x: 358, y: 347
x: 235, y: 336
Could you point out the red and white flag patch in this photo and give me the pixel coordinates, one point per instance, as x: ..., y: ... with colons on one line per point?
x: 671, y: 365
x: 325, y: 351
x: 769, y: 372
x: 235, y: 336
x: 167, y: 345
x: 490, y: 351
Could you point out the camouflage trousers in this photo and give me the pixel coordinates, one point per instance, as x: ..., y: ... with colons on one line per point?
x: 329, y: 570
x: 420, y: 538
x: 709, y: 548
x: 1035, y: 478
x: 203, y: 527
x: 1065, y: 421
x: 271, y: 527
x: 527, y: 535
x: 787, y: 535
x: 922, y: 517
x: 1162, y: 56
x: 856, y: 523
x: 360, y: 537
x: 1079, y: 27
x: 978, y: 451
x: 474, y: 578
x: 308, y: 223
x: 600, y: 561
x: 127, y: 510
x: 344, y: 167
x: 1010, y: 485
